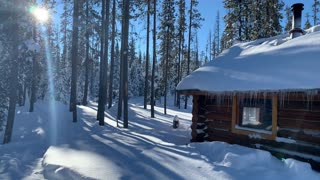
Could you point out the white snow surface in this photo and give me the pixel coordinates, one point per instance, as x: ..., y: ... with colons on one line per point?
x: 272, y: 64
x: 285, y: 140
x: 149, y: 149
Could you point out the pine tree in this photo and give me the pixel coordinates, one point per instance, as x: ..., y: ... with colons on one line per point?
x: 154, y: 57
x: 196, y: 54
x: 116, y: 79
x: 315, y: 11
x: 103, y: 62
x: 136, y: 79
x: 123, y: 87
x: 181, y: 32
x: 255, y: 20
x: 194, y: 23
x: 124, y: 54
x: 74, y: 57
x: 166, y: 36
x: 86, y: 86
x: 106, y: 52
x: 49, y: 6
x: 288, y: 15
x: 131, y: 52
x: 35, y: 73
x: 307, y: 24
x: 230, y: 31
x: 274, y: 15
x: 243, y: 24
x: 210, y: 44
x: 112, y: 58
x: 64, y: 27
x: 63, y: 76
x: 13, y: 77
x: 15, y: 34
x: 146, y: 79
x: 215, y: 44
x: 217, y: 35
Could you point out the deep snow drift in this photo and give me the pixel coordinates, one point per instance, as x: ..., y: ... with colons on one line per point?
x: 276, y: 63
x: 149, y: 149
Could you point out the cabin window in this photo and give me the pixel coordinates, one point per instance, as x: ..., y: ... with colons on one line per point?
x: 255, y: 116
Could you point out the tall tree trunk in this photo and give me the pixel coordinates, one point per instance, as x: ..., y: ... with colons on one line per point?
x: 74, y: 57
x: 154, y: 55
x: 34, y: 74
x: 20, y: 94
x: 106, y: 51
x: 13, y: 80
x: 125, y: 37
x: 197, y: 53
x: 86, y: 82
x: 240, y: 20
x: 189, y: 49
x: 102, y: 85
x: 113, y: 36
x: 179, y: 69
x: 210, y: 50
x: 147, y: 59
x: 92, y: 76
x: 24, y: 93
x: 121, y: 85
x: 166, y: 72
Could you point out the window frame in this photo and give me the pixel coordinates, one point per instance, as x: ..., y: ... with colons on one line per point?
x: 250, y: 131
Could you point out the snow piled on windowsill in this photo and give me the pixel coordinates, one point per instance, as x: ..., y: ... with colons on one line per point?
x: 253, y: 130
x: 285, y: 140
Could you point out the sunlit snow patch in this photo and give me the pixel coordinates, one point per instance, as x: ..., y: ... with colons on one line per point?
x: 66, y: 163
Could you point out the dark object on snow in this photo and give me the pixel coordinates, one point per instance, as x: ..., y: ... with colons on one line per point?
x: 296, y: 20
x: 175, y: 124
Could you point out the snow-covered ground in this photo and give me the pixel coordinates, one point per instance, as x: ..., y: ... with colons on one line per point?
x: 149, y: 149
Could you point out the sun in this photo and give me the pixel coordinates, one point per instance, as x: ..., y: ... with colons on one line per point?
x: 40, y: 13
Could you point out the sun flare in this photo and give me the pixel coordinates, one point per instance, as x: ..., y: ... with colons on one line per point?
x: 40, y: 13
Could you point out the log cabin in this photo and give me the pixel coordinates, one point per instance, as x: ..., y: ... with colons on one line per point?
x: 262, y: 94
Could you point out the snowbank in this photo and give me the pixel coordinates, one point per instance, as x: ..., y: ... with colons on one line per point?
x: 246, y: 163
x: 276, y: 63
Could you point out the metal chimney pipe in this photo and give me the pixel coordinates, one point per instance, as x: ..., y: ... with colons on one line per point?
x: 296, y: 30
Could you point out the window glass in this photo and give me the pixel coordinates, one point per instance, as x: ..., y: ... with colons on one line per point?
x: 250, y: 116
x: 256, y: 114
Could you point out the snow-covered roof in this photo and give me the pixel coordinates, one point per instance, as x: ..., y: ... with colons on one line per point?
x: 273, y: 64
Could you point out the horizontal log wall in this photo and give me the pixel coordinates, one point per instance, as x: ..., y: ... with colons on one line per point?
x: 299, y: 115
